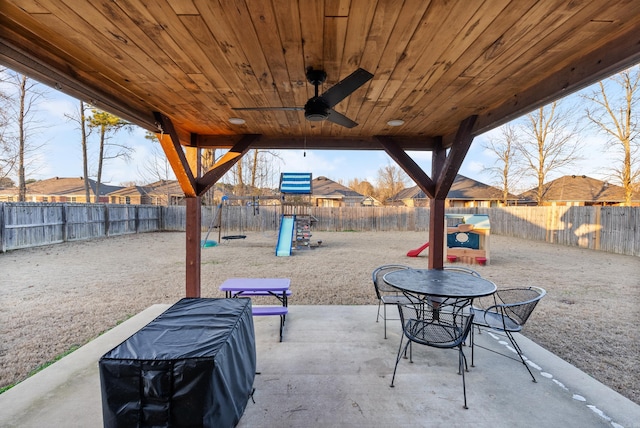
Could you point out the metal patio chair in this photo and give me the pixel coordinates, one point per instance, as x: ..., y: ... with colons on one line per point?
x: 432, y: 326
x: 508, y: 312
x: 463, y: 270
x: 386, y: 294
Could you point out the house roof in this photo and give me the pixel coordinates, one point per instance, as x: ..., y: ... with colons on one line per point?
x: 462, y: 188
x: 325, y: 187
x: 162, y: 187
x: 578, y: 188
x: 69, y: 186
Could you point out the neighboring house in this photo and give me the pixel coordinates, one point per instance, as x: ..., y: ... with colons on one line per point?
x: 59, y: 189
x: 370, y: 201
x: 577, y: 190
x: 328, y: 193
x: 465, y: 192
x: 163, y: 192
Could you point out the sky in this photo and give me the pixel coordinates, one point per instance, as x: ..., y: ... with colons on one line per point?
x: 60, y: 154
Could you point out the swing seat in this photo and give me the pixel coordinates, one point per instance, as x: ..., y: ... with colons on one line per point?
x: 233, y: 237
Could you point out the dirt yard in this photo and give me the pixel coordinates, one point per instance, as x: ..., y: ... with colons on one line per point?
x: 55, y: 297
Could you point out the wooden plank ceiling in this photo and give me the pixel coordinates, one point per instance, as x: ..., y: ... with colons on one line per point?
x: 435, y: 63
x: 450, y: 69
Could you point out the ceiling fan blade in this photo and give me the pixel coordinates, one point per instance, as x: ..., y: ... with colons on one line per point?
x: 340, y: 119
x: 269, y: 108
x: 346, y: 86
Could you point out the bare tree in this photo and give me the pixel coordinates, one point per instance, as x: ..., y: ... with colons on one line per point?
x: 506, y: 171
x: 265, y: 173
x: 391, y: 180
x: 548, y: 143
x: 80, y: 118
x: 108, y: 125
x: 156, y: 167
x: 18, y: 141
x: 7, y: 161
x: 208, y: 160
x: 363, y: 187
x: 254, y: 172
x: 614, y: 114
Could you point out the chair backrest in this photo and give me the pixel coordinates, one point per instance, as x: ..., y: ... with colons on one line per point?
x: 424, y: 324
x: 462, y: 270
x: 519, y: 303
x: 379, y: 283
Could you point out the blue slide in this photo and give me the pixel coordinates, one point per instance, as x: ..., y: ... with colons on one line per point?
x: 285, y: 237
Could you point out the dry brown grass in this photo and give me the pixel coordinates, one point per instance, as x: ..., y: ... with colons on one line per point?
x: 55, y: 297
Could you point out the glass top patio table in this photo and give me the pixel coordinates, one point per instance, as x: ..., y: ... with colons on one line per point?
x: 440, y: 283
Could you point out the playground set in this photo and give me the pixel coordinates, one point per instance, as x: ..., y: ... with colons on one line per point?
x: 467, y: 239
x: 217, y: 223
x: 295, y: 219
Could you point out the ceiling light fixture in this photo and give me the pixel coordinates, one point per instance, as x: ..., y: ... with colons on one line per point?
x: 396, y: 122
x: 237, y: 120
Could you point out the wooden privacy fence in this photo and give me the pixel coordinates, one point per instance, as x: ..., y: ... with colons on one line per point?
x: 25, y: 225
x: 612, y: 229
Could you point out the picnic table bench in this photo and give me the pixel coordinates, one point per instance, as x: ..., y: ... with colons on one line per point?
x: 247, y: 287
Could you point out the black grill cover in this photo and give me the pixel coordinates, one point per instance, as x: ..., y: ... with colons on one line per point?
x: 193, y: 366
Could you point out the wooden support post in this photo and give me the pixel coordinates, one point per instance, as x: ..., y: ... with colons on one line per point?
x: 193, y: 249
x: 436, y: 212
x: 436, y: 234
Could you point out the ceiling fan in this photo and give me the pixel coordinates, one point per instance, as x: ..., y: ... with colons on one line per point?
x: 320, y: 107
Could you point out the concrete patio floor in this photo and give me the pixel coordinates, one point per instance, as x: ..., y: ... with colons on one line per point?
x: 334, y: 369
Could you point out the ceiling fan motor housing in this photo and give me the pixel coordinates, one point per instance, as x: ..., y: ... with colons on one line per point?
x: 316, y: 109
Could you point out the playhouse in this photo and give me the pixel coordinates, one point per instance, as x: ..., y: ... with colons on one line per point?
x: 468, y: 238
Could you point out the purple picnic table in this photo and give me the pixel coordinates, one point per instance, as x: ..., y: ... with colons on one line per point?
x: 246, y: 287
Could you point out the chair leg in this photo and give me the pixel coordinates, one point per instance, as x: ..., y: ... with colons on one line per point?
x: 519, y: 352
x: 398, y: 357
x: 515, y: 345
x: 464, y: 364
x: 384, y: 310
x: 378, y: 315
x: 472, y: 345
x: 462, y: 360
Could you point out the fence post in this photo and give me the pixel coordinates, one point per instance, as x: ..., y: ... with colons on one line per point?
x: 106, y: 220
x: 65, y: 226
x: 2, y: 228
x: 598, y: 231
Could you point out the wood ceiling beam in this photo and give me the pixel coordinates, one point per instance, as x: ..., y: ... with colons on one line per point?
x: 409, y: 166
x: 170, y: 142
x: 317, y: 143
x: 461, y: 143
x: 621, y: 53
x: 225, y: 163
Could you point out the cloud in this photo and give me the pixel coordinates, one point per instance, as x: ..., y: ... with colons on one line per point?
x: 475, y: 166
x: 58, y: 107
